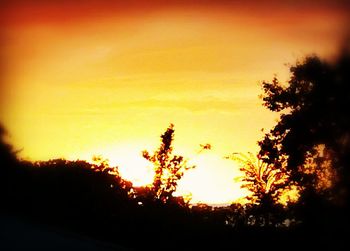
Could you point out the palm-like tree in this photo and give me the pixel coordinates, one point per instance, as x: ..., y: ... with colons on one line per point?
x: 263, y: 180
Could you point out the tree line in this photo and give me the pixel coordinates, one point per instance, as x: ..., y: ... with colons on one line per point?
x: 305, y: 153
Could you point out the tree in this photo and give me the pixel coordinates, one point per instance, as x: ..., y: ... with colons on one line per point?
x: 169, y: 168
x: 314, y: 114
x: 267, y: 184
x: 7, y: 153
x: 263, y: 180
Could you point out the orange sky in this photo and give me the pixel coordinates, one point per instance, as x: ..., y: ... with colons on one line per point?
x: 105, y: 77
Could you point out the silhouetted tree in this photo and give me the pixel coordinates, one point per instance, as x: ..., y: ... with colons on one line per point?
x: 314, y: 107
x: 266, y: 183
x: 263, y: 180
x: 7, y: 154
x: 313, y: 134
x: 169, y: 168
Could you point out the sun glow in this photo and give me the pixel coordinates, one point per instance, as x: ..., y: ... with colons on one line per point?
x: 214, y: 180
x: 83, y: 80
x: 134, y: 167
x: 128, y: 158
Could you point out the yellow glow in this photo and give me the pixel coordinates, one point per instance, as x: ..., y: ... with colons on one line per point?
x: 212, y: 180
x: 133, y: 167
x: 289, y: 195
x: 111, y: 84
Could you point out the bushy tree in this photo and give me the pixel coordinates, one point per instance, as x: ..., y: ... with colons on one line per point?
x: 169, y: 167
x: 313, y: 133
x: 7, y: 153
x: 266, y: 183
x: 314, y: 112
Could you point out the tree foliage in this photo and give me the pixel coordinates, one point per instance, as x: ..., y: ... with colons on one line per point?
x: 7, y: 153
x: 314, y: 111
x: 270, y: 190
x: 169, y: 167
x: 263, y: 180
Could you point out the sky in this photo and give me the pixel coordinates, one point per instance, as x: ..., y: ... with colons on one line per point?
x: 84, y: 78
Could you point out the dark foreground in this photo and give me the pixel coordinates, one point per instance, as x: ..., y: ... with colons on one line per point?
x: 60, y: 205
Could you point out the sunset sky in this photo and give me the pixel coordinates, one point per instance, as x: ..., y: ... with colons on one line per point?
x: 104, y: 77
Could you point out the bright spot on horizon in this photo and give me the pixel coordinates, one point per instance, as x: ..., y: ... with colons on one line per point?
x: 82, y: 80
x: 214, y: 180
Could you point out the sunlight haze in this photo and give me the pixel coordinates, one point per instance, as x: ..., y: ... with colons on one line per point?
x: 109, y: 80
